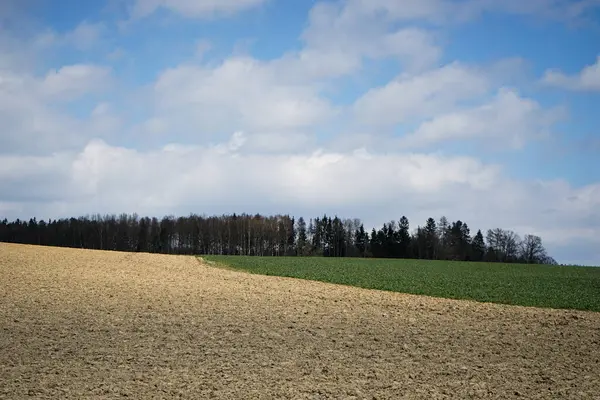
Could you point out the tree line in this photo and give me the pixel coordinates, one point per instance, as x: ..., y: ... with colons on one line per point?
x: 279, y: 235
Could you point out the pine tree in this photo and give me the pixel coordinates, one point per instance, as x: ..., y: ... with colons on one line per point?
x: 375, y: 243
x: 143, y: 234
x: 317, y: 237
x: 404, y: 238
x: 459, y: 241
x: 478, y: 247
x: 391, y: 240
x: 360, y: 239
x: 431, y: 239
x: 302, y: 237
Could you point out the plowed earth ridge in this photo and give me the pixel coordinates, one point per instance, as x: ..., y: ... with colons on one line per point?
x: 83, y: 324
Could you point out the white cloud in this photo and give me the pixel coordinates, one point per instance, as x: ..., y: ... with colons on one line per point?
x: 19, y: 54
x: 193, y: 8
x: 412, y: 97
x: 226, y: 178
x: 66, y: 83
x: 282, y: 96
x: 27, y: 122
x: 586, y: 80
x: 240, y: 93
x: 340, y: 35
x: 434, y: 11
x: 30, y: 108
x: 275, y: 142
x: 561, y: 10
x: 269, y: 142
x: 73, y: 81
x: 210, y: 175
x: 451, y: 11
x: 85, y: 35
x: 507, y: 120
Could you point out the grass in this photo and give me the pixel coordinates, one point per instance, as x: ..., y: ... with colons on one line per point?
x: 526, y: 285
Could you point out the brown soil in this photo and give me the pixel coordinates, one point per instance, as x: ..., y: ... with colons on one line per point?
x: 78, y: 324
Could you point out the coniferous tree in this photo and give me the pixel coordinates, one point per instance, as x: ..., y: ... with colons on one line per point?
x: 478, y: 247
x: 317, y: 235
x: 390, y: 240
x: 302, y: 240
x: 431, y: 239
x: 143, y: 236
x: 404, y: 238
x: 376, y: 243
x: 459, y: 241
x: 361, y: 239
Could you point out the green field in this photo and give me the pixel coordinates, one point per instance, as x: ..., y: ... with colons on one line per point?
x: 527, y: 285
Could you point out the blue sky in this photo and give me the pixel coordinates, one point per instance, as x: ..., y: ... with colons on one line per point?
x: 478, y: 110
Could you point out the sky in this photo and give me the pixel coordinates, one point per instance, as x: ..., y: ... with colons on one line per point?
x: 485, y: 111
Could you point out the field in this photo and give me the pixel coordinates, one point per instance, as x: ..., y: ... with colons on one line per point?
x: 82, y: 324
x: 525, y: 285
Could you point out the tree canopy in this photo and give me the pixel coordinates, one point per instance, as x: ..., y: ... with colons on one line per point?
x: 278, y: 235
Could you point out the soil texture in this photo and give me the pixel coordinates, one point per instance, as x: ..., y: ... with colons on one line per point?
x: 86, y: 324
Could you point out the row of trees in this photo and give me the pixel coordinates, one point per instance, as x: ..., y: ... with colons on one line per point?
x: 279, y: 235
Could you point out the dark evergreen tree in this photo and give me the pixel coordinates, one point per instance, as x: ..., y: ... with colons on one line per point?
x: 317, y: 242
x: 302, y: 240
x: 390, y: 240
x: 361, y: 239
x: 376, y: 243
x: 143, y: 236
x: 459, y: 243
x: 404, y: 238
x: 478, y: 247
x: 431, y: 239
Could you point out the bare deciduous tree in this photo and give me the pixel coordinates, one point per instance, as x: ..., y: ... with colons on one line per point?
x: 532, y: 249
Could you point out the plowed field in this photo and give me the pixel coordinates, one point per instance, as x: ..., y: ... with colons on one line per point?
x: 78, y: 324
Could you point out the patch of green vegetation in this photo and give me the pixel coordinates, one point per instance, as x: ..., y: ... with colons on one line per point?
x: 526, y: 285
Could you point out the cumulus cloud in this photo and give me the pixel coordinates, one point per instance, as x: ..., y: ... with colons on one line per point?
x: 339, y: 35
x: 451, y: 12
x: 241, y: 93
x: 225, y: 178
x: 561, y: 10
x: 283, y: 97
x: 507, y: 119
x: 32, y: 122
x: 193, y: 8
x: 20, y: 54
x: 586, y: 80
x: 434, y: 11
x: 73, y: 81
x: 411, y: 97
x: 85, y: 35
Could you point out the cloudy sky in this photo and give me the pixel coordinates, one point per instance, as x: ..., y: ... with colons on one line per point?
x: 486, y: 111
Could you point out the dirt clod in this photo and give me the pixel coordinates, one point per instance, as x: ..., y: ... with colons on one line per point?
x: 91, y: 324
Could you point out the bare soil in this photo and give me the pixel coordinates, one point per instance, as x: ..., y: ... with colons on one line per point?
x: 82, y: 324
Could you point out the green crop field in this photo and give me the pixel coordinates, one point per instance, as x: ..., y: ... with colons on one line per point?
x: 527, y: 285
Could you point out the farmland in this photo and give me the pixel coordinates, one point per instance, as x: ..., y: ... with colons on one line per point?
x: 95, y: 324
x: 526, y: 285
